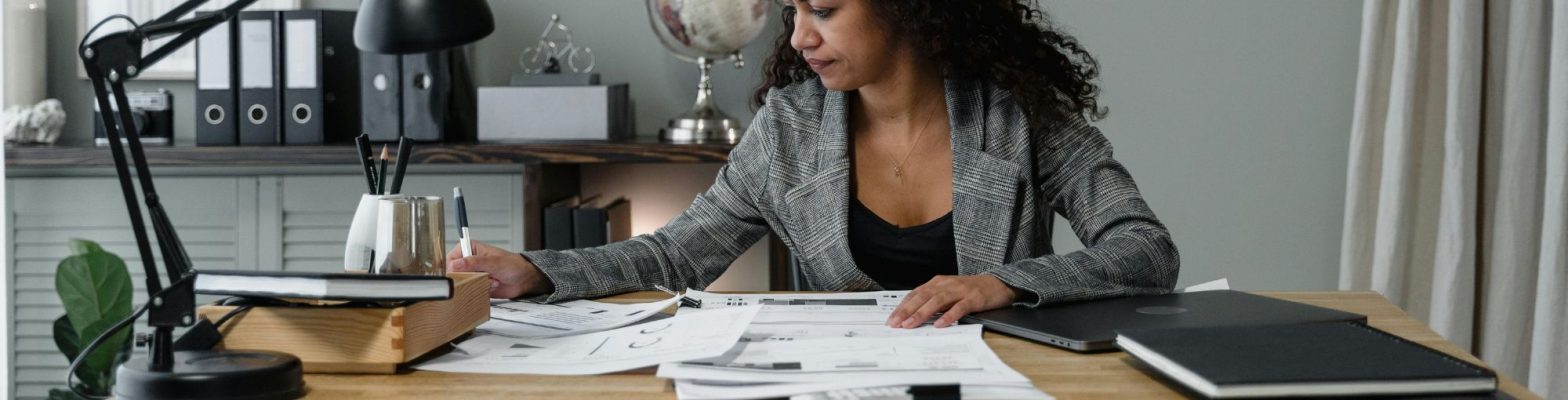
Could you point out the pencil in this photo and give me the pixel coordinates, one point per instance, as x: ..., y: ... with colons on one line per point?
x: 362, y: 143
x: 383, y: 180
x: 404, y: 148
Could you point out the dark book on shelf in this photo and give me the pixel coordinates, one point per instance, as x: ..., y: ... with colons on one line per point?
x: 323, y: 286
x: 557, y: 224
x: 1320, y: 359
x: 601, y: 221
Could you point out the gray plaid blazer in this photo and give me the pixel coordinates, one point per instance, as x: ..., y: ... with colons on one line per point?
x: 790, y: 175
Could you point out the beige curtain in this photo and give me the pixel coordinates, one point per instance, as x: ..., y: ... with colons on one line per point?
x: 1456, y: 203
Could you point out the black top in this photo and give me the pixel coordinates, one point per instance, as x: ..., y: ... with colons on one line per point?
x: 900, y: 258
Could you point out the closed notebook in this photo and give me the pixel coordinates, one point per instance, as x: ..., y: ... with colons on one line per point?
x: 323, y: 286
x: 1324, y: 359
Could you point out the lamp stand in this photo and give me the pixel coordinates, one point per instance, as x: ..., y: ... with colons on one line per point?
x: 705, y: 122
x: 165, y: 373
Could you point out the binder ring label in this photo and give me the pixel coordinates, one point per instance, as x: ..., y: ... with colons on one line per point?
x: 214, y: 114
x: 302, y: 113
x: 258, y: 114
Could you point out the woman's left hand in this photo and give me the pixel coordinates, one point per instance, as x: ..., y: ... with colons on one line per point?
x: 954, y: 297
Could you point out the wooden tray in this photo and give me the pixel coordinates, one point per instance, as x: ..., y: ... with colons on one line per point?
x: 359, y: 340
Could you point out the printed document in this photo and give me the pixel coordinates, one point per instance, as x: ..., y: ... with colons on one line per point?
x: 961, y: 357
x: 530, y: 320
x: 684, y: 337
x: 708, y: 390
x: 857, y: 308
x: 805, y: 344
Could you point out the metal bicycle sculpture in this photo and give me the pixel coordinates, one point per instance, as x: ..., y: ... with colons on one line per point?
x: 547, y: 56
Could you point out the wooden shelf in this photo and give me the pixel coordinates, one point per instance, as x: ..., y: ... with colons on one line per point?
x: 585, y: 152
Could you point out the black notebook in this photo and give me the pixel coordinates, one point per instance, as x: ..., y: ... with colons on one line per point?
x: 323, y: 286
x: 1323, y: 359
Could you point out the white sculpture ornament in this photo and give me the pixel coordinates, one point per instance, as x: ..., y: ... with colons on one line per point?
x: 39, y: 124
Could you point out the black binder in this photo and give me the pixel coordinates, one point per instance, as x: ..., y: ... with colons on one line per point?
x: 320, y: 92
x: 557, y: 224
x: 381, y: 96
x: 260, y: 60
x: 217, y: 124
x: 601, y: 222
x: 438, y: 97
x: 1323, y: 359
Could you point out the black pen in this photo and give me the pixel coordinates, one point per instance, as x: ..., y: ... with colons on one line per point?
x: 383, y: 180
x: 362, y: 142
x: 404, y: 147
x: 462, y: 223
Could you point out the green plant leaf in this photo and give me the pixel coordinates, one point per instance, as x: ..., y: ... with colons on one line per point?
x: 65, y: 338
x: 94, y: 285
x: 98, y: 368
x: 62, y: 394
x: 80, y: 247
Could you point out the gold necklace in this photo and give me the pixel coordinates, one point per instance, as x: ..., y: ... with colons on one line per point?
x: 898, y: 166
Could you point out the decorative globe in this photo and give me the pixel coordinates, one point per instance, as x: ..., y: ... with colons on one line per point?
x: 708, y: 28
x: 702, y: 32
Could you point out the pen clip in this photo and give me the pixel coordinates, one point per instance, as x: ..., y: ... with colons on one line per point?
x: 685, y: 301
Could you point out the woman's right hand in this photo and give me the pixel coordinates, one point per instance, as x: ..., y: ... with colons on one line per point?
x: 511, y: 275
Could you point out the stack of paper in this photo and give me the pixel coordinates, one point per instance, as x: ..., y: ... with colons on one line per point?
x: 830, y: 345
x: 530, y: 320
x: 819, y: 344
x: 683, y: 337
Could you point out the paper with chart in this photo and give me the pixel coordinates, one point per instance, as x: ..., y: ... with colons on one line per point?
x: 679, y: 338
x: 719, y: 390
x: 959, y: 357
x: 531, y: 320
x: 966, y: 392
x: 857, y: 308
x: 811, y: 343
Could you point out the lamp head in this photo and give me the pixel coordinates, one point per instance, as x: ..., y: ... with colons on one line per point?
x: 420, y: 26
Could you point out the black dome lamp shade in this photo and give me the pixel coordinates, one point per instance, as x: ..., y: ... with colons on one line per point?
x: 420, y: 26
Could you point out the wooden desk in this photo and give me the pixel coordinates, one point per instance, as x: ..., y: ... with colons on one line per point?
x: 1063, y: 374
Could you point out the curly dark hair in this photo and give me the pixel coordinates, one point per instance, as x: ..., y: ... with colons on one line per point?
x: 1010, y: 43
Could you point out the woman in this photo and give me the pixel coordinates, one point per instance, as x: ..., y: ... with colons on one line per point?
x: 901, y: 144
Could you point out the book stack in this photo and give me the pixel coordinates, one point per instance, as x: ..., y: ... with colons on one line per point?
x: 576, y: 222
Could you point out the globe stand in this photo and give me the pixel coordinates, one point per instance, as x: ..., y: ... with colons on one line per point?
x: 705, y: 122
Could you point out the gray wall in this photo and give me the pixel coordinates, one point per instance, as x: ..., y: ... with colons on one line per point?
x: 1232, y: 114
x: 1234, y: 117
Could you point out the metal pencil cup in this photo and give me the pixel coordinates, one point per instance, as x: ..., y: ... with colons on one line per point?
x: 410, y: 236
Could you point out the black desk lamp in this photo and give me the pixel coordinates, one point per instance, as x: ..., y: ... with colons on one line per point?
x: 383, y: 25
x: 420, y: 26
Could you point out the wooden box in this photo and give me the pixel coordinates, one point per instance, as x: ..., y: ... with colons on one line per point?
x: 359, y: 340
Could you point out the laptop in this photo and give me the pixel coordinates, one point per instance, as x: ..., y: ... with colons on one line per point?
x: 1091, y: 326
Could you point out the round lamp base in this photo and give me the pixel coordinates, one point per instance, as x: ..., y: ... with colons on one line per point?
x: 214, y: 374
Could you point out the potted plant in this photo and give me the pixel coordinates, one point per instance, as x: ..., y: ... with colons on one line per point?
x: 95, y: 288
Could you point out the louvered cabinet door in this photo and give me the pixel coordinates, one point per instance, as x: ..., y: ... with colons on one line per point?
x: 314, y: 212
x: 214, y: 217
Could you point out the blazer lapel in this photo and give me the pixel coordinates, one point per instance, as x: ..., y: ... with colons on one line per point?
x: 822, y: 202
x: 985, y: 186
